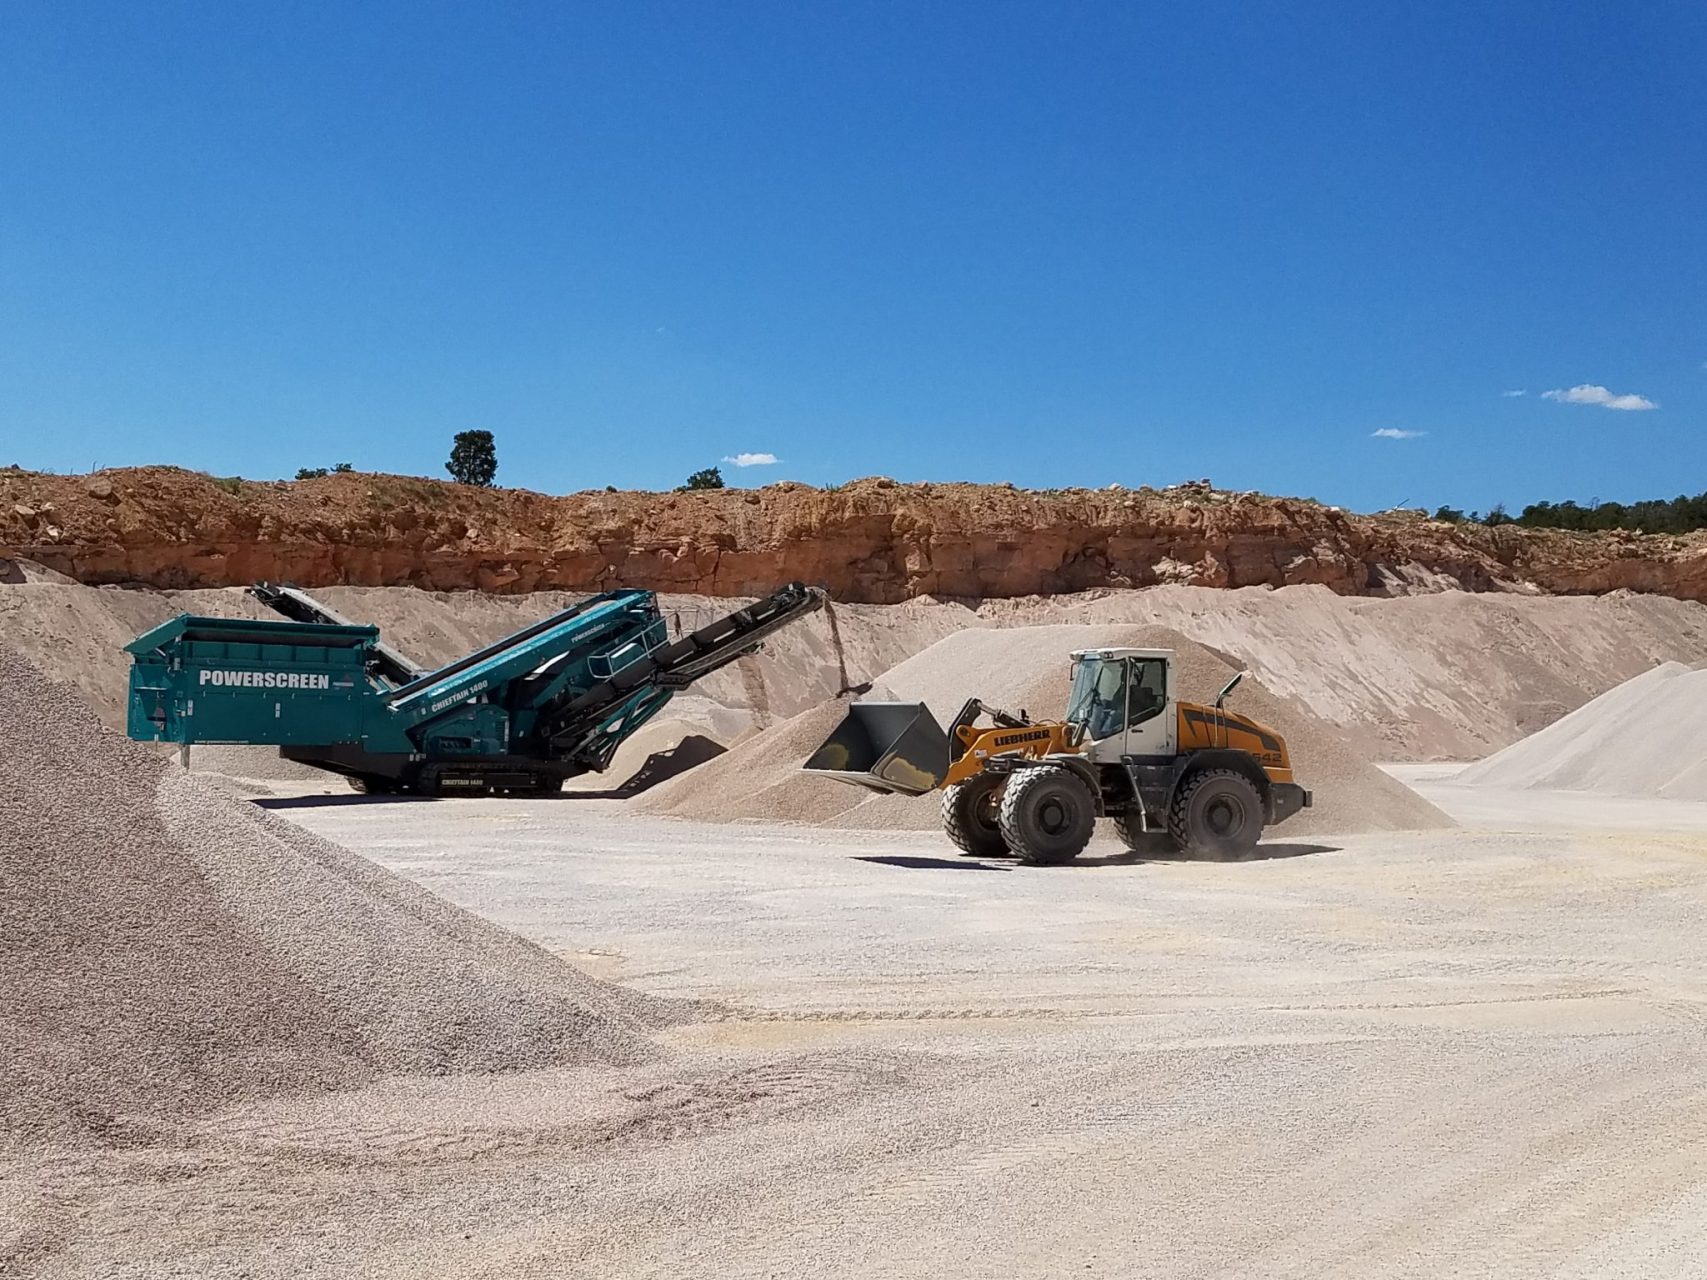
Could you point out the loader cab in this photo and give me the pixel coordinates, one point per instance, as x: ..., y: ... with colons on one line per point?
x: 1118, y: 701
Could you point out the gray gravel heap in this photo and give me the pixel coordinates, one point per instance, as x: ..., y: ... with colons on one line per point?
x: 166, y: 948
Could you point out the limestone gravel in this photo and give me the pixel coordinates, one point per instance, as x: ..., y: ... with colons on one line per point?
x: 261, y: 764
x: 1643, y: 738
x: 648, y: 750
x: 165, y: 948
x: 760, y: 779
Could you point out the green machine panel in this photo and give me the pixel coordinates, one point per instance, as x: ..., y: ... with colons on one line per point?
x: 270, y: 683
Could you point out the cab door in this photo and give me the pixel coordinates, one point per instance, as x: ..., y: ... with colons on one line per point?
x: 1152, y: 729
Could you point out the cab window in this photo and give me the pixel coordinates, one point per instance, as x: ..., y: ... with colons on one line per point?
x: 1148, y: 687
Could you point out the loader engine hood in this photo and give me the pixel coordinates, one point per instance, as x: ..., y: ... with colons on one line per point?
x: 1202, y: 727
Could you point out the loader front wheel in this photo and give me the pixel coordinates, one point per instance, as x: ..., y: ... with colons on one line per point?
x: 1217, y: 814
x: 972, y: 816
x: 1157, y: 842
x: 1048, y: 814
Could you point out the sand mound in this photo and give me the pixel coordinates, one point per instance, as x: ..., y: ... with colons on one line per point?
x: 261, y: 764
x: 759, y: 779
x: 165, y: 948
x: 1027, y: 668
x: 657, y: 751
x: 1642, y: 738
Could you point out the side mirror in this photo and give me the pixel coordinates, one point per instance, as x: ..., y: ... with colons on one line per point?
x: 1231, y: 685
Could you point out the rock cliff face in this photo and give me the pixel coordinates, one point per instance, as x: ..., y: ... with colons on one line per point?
x: 874, y: 540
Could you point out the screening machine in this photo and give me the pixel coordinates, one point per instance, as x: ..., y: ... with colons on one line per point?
x: 553, y: 700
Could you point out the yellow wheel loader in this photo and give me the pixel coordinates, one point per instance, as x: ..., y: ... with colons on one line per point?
x: 1173, y: 776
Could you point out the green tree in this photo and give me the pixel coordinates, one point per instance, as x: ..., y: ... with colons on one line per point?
x: 1452, y: 515
x: 1681, y: 514
x: 314, y: 473
x: 473, y: 458
x: 710, y: 478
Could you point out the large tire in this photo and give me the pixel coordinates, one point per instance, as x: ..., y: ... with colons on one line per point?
x: 1156, y: 842
x: 972, y: 815
x: 1048, y: 815
x: 1216, y: 814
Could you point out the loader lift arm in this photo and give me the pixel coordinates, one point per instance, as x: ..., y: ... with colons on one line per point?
x: 958, y: 742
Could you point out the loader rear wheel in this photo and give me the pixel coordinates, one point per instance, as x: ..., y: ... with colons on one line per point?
x: 1217, y: 814
x: 972, y: 815
x: 1156, y: 842
x: 1048, y: 814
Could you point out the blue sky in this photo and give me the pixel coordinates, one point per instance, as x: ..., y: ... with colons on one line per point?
x: 1053, y: 244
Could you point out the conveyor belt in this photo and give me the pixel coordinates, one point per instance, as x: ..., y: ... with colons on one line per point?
x: 297, y: 605
x: 428, y: 679
x: 677, y: 665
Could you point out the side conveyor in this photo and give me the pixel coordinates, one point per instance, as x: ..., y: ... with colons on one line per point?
x: 425, y: 679
x: 677, y: 665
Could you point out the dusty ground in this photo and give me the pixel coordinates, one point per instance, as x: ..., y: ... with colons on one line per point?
x: 1460, y: 1053
x: 1501, y: 808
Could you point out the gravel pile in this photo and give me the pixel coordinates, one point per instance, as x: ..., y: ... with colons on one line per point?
x: 759, y: 778
x: 658, y: 750
x: 1642, y: 738
x: 1027, y: 668
x: 262, y: 764
x: 165, y: 948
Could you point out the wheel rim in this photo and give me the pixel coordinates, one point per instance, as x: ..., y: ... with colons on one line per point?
x: 1054, y: 816
x: 988, y: 811
x: 1224, y: 816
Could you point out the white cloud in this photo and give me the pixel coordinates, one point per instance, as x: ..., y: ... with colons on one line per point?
x: 1395, y: 433
x: 1588, y: 393
x: 752, y: 459
x: 1512, y: 395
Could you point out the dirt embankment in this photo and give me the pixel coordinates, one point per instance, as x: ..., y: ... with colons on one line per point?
x: 874, y: 541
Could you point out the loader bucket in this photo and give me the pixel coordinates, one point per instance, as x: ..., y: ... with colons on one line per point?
x: 886, y: 746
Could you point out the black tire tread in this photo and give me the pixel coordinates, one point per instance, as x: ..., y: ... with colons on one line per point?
x: 1014, y: 798
x: 1179, y: 813
x: 965, y: 837
x: 1155, y: 840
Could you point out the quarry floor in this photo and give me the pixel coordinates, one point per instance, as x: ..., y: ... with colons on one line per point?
x: 1474, y: 1052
